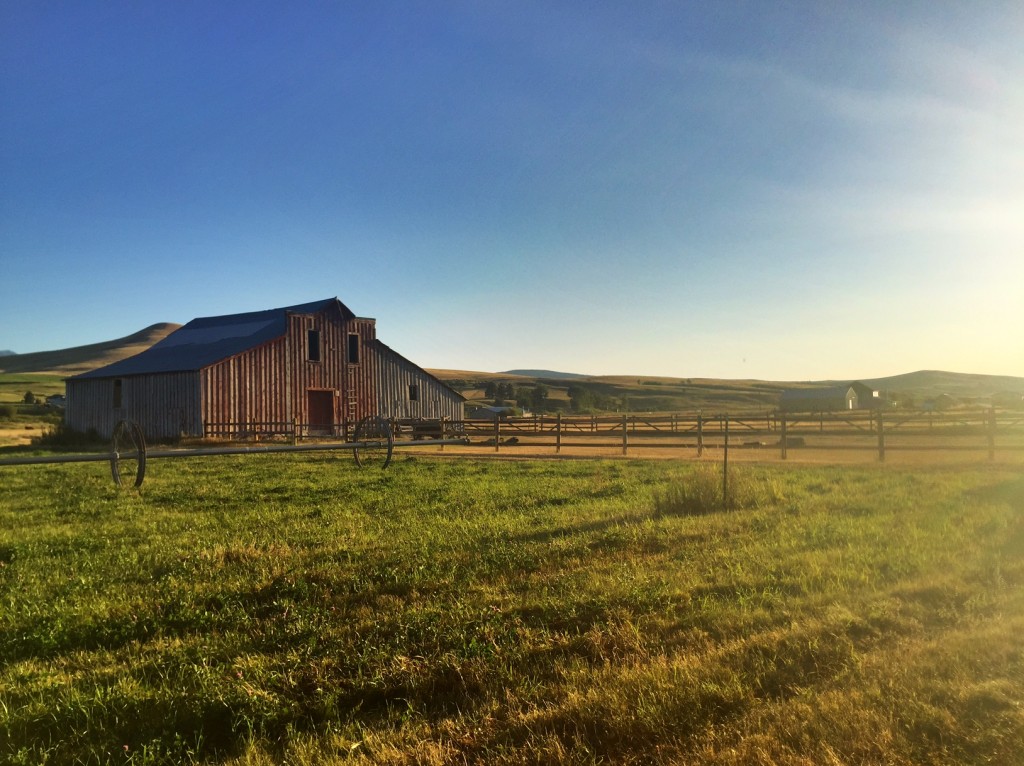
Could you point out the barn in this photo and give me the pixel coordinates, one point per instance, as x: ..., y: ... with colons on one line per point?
x: 314, y: 368
x: 831, y: 399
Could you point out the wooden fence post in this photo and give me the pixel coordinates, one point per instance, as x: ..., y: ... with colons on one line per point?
x: 782, y: 440
x: 625, y: 432
x: 881, y: 438
x: 444, y: 423
x: 497, y: 431
x: 725, y: 466
x: 992, y: 433
x: 700, y: 435
x: 558, y: 433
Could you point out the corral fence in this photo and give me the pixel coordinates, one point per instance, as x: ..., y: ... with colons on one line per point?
x: 875, y: 430
x: 373, y: 439
x: 297, y: 431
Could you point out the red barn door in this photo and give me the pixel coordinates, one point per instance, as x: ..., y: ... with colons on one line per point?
x: 321, y: 411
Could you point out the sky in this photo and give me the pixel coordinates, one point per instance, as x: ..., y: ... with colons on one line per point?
x: 770, y: 190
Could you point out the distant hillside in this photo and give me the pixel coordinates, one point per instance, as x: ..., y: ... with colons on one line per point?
x: 960, y: 385
x: 71, y: 361
x: 6, y: 353
x: 621, y: 393
x: 547, y: 374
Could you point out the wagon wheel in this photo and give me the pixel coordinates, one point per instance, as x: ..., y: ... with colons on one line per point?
x: 377, y: 443
x: 128, y: 454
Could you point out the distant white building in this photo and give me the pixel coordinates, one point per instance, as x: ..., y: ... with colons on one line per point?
x: 832, y: 399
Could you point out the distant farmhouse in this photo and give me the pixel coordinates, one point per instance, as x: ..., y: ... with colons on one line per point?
x: 482, y: 412
x: 316, y: 367
x: 850, y: 396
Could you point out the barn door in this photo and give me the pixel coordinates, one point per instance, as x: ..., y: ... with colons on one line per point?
x: 321, y: 411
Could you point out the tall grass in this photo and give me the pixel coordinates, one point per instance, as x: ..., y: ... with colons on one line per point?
x: 264, y: 609
x: 708, y: 488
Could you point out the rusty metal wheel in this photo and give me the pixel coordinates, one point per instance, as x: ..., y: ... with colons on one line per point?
x: 128, y: 454
x: 376, y: 443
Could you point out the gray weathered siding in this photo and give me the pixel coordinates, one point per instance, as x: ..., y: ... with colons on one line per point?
x: 166, y: 406
x: 394, y: 376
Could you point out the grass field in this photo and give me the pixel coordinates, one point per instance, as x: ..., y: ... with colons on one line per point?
x: 27, y: 423
x: 14, y: 386
x: 271, y: 609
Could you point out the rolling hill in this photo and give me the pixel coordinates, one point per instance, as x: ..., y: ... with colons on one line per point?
x: 71, y: 361
x: 547, y: 374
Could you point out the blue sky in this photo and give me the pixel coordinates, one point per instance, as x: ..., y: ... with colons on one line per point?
x: 787, y: 191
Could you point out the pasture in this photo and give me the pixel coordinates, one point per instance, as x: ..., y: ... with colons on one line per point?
x: 270, y: 609
x: 14, y: 386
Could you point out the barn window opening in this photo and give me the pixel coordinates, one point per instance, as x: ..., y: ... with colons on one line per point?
x: 353, y: 348
x: 414, y: 392
x: 313, y: 345
x: 117, y: 393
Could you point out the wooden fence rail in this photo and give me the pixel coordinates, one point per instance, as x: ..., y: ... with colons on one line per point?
x: 866, y: 430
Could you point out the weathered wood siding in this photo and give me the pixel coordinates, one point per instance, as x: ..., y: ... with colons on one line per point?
x: 165, y: 405
x: 270, y: 384
x: 395, y: 375
x: 245, y: 389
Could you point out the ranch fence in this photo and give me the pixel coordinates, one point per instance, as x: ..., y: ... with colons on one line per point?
x: 374, y: 438
x: 296, y: 431
x: 877, y: 431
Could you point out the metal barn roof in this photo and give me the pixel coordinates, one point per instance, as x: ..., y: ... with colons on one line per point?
x: 208, y: 340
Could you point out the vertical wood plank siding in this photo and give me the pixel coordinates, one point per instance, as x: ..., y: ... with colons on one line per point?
x: 165, y: 405
x: 270, y: 383
x: 247, y: 388
x: 395, y: 374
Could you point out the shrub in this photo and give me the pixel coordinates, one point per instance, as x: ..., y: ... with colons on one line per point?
x: 700, y: 492
x: 63, y: 436
x: 8, y: 411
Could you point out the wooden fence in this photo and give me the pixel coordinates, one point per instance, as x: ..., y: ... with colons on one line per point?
x: 877, y: 431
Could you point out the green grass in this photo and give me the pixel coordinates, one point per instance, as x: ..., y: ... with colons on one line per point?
x: 263, y: 609
x: 13, y: 386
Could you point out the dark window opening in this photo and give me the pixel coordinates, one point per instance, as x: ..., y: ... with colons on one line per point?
x: 117, y: 394
x: 313, y: 345
x: 353, y: 348
x: 414, y: 392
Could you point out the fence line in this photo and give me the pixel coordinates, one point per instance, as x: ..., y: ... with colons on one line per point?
x: 879, y: 431
x: 929, y: 431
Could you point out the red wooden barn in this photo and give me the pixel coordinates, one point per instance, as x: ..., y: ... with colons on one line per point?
x: 314, y: 368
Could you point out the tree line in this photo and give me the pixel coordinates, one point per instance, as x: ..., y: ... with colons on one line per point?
x: 537, y: 397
